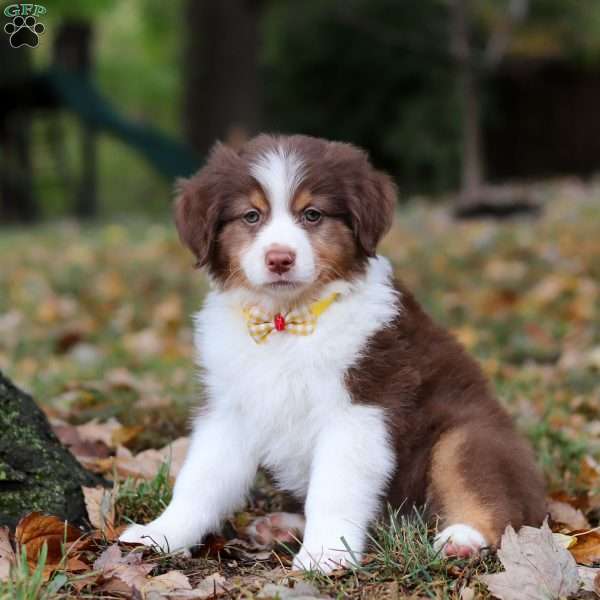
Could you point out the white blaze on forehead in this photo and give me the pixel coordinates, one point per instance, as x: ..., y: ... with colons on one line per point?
x: 279, y: 173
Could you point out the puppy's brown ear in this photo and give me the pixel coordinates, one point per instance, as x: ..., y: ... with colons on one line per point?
x: 195, y: 218
x: 372, y: 209
x: 198, y: 201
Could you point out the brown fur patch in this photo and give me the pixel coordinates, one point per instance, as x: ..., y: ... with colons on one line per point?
x: 258, y: 200
x: 202, y: 200
x: 235, y: 236
x: 301, y: 201
x: 336, y: 256
x: 457, y: 502
x: 429, y: 386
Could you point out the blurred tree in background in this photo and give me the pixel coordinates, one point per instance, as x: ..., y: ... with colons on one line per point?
x: 221, y: 80
x: 430, y: 87
x: 377, y: 73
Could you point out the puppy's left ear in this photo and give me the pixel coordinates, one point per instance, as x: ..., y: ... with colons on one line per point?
x: 372, y: 209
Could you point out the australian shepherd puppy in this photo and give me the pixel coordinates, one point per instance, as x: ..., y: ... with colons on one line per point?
x: 322, y: 368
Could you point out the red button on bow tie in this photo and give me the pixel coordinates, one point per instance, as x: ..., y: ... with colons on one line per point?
x: 279, y: 322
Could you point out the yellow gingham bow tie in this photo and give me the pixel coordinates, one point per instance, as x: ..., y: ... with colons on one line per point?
x: 299, y: 321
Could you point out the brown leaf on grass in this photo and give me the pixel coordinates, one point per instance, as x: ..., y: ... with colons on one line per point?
x: 128, y: 569
x: 95, y: 431
x: 146, y: 343
x: 100, y: 506
x: 61, y: 539
x: 83, y: 450
x: 169, y: 313
x: 76, y: 565
x: 589, y: 473
x: 210, y: 587
x: 146, y: 464
x: 162, y: 585
x: 590, y: 579
x: 536, y: 567
x: 91, y: 442
x: 302, y: 590
x: 580, y: 501
x: 7, y: 554
x: 124, y: 435
x: 564, y: 513
x: 115, y: 588
x: 587, y: 549
x: 121, y: 378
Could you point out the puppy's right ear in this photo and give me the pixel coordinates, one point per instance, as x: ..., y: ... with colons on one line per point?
x: 195, y: 218
x: 198, y: 201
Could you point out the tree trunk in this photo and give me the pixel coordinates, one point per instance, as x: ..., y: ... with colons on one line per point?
x: 470, y: 97
x: 73, y: 52
x: 36, y: 472
x: 17, y: 201
x: 221, y: 95
x: 86, y: 202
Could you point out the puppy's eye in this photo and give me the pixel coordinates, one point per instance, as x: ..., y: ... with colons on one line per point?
x: 252, y: 217
x: 312, y: 215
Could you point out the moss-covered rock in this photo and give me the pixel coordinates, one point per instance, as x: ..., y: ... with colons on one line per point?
x: 37, y: 473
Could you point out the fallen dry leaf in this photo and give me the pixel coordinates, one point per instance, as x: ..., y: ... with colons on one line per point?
x: 212, y: 586
x: 301, y: 591
x: 121, y: 378
x: 564, y: 541
x: 467, y: 593
x: 587, y: 549
x: 590, y: 579
x: 37, y: 529
x: 7, y: 555
x: 146, y: 464
x: 580, y: 501
x: 589, y: 473
x: 95, y: 431
x: 128, y: 569
x: 100, y: 506
x: 76, y: 565
x: 124, y: 435
x: 536, y: 567
x: 169, y: 313
x: 564, y: 513
x: 172, y: 581
x: 83, y: 450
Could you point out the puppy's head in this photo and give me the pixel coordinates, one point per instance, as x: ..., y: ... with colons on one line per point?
x: 284, y: 215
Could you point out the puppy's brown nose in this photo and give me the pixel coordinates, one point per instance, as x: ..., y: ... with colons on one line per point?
x: 280, y: 259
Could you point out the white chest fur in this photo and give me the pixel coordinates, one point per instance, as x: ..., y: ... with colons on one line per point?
x: 284, y: 404
x: 283, y: 391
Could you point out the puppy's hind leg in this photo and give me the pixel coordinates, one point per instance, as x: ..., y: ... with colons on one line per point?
x: 276, y: 528
x: 482, y: 478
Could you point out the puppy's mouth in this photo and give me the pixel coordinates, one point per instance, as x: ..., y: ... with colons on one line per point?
x: 283, y: 284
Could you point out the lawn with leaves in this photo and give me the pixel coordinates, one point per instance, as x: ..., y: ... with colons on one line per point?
x: 95, y: 321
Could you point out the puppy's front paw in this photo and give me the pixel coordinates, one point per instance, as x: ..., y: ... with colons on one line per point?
x: 459, y: 540
x: 325, y: 561
x: 153, y: 536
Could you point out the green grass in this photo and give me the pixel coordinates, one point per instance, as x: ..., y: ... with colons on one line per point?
x: 27, y: 584
x: 143, y: 501
x: 402, y: 562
